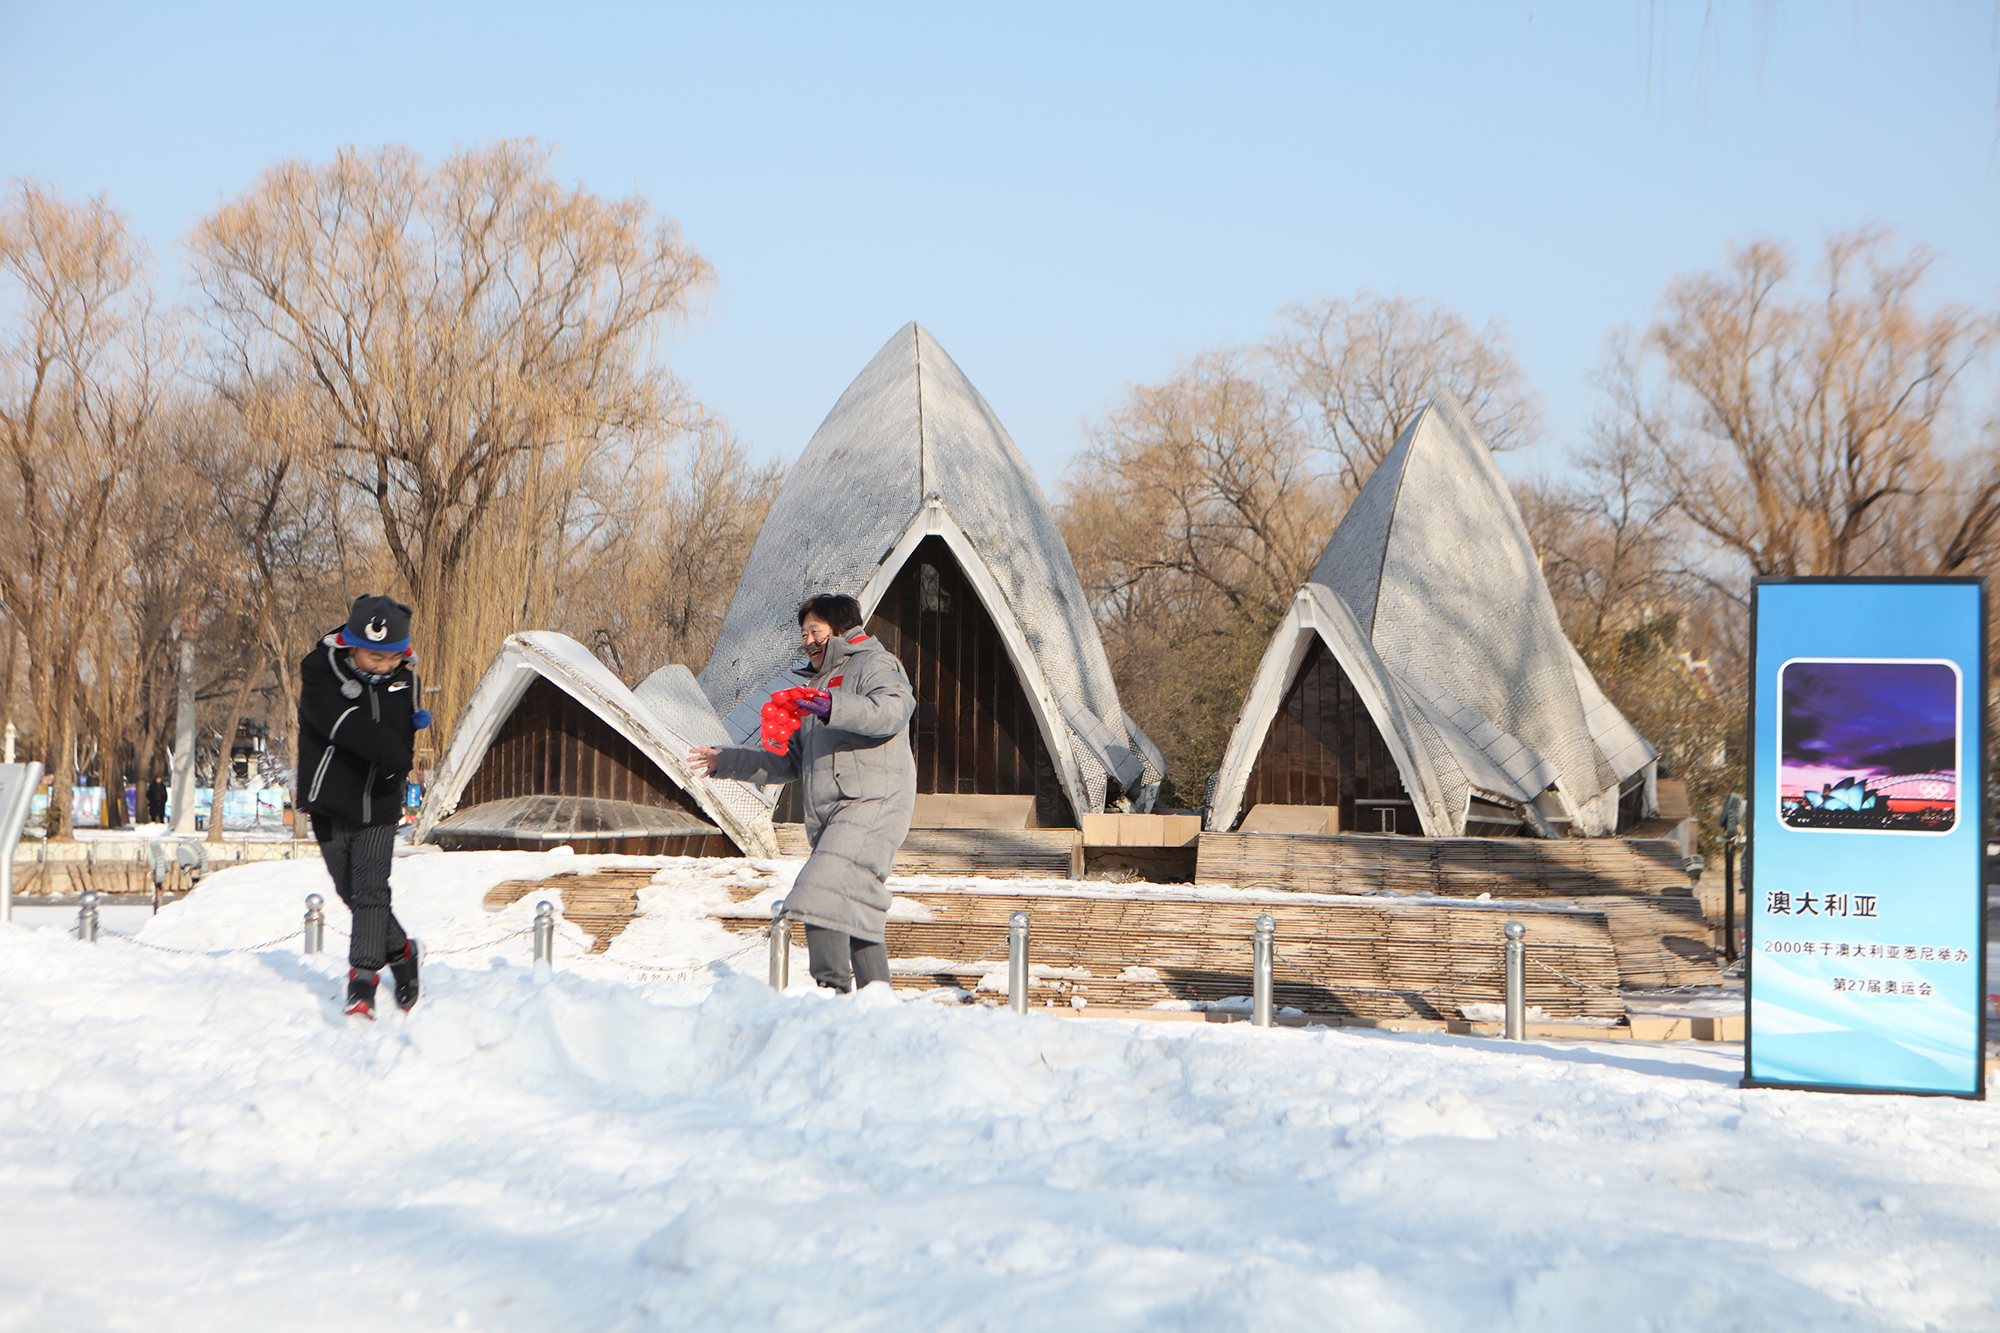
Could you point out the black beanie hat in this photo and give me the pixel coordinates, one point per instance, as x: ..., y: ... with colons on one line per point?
x: 380, y: 624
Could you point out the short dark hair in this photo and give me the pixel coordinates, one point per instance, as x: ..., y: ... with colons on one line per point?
x: 840, y: 612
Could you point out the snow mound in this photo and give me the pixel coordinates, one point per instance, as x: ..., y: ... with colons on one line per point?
x: 654, y: 1140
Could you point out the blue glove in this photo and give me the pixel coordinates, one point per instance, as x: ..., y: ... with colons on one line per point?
x: 819, y: 705
x: 421, y: 718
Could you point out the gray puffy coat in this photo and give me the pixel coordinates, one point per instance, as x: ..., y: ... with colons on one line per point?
x: 857, y: 783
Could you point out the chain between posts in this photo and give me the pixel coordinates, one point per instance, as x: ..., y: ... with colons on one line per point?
x: 297, y: 934
x: 1580, y: 985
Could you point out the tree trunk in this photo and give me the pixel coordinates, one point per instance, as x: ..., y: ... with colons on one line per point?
x: 184, y: 735
x: 225, y: 765
x: 110, y: 745
x: 62, y: 756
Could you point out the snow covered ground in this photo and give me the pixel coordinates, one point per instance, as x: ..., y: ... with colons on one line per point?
x: 652, y: 1139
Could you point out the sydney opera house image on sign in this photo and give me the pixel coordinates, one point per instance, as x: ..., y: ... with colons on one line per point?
x: 1868, y: 746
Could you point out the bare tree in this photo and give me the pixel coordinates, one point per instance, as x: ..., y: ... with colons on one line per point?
x: 1815, y: 433
x: 1193, y: 515
x: 462, y: 344
x: 655, y: 584
x: 1754, y: 428
x: 1612, y: 549
x: 86, y: 368
x: 1662, y: 638
x: 1363, y: 368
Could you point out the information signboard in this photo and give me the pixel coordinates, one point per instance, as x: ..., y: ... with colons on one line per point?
x: 1867, y: 835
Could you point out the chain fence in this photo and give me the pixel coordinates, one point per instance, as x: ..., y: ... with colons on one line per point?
x: 332, y: 937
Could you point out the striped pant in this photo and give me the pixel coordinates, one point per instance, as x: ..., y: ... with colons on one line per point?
x: 358, y: 859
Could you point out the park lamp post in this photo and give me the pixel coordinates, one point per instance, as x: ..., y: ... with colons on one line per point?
x: 1732, y: 830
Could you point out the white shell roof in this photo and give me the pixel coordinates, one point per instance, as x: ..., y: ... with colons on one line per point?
x: 665, y: 717
x: 1431, y: 598
x: 1445, y: 752
x: 1436, y: 564
x: 912, y: 447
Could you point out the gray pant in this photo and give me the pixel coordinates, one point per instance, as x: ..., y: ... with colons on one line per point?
x: 839, y: 961
x: 358, y: 858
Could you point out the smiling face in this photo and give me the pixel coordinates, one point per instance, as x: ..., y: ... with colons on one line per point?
x: 373, y: 662
x: 814, y: 634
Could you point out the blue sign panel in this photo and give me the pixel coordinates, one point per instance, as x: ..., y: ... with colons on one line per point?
x: 1867, y: 839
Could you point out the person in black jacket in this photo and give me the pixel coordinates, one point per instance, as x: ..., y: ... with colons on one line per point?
x: 359, y: 714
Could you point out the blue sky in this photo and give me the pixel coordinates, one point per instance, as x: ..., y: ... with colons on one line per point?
x: 1073, y: 197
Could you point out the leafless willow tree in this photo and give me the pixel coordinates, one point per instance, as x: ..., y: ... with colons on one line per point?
x: 87, y: 362
x: 467, y: 345
x: 1816, y: 432
x: 1362, y: 369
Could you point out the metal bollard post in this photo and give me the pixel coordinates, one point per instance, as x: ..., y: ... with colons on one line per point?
x: 545, y: 932
x: 1517, y: 1005
x: 1017, y: 962
x: 86, y: 918
x: 781, y: 947
x: 315, y: 931
x: 1260, y: 971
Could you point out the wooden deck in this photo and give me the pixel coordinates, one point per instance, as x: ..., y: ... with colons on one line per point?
x: 603, y: 904
x: 1443, y: 867
x: 992, y: 853
x: 1420, y: 956
x: 1337, y: 956
x: 1662, y: 936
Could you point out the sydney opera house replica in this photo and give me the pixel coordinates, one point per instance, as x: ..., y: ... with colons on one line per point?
x: 912, y: 498
x: 1421, y: 682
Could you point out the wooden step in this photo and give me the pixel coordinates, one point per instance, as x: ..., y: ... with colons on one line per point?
x: 992, y: 853
x: 1661, y: 940
x: 61, y: 879
x: 1656, y: 921
x: 602, y: 903
x: 1337, y: 955
x: 1446, y: 867
x: 1035, y: 853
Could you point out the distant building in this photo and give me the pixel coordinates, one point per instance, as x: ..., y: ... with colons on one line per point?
x: 1421, y: 682
x: 912, y: 498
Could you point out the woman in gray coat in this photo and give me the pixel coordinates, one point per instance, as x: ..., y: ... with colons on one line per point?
x: 857, y: 784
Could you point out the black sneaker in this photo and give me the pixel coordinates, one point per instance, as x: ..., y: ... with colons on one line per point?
x: 404, y: 970
x: 361, y: 994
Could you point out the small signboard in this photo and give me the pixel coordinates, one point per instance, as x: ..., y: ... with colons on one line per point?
x: 1867, y: 836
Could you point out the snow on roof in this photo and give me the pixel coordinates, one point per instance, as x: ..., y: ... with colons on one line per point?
x: 912, y: 449
x: 664, y: 718
x: 1440, y: 580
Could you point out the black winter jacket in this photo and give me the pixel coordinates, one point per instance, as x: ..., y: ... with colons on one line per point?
x: 355, y: 748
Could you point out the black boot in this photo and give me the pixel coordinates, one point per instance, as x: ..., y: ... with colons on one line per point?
x: 361, y: 993
x: 404, y: 970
